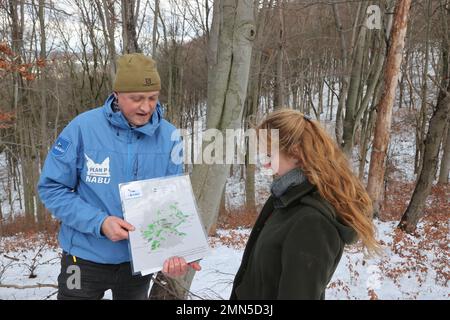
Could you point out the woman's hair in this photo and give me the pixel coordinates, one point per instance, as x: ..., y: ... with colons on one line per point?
x: 326, y: 167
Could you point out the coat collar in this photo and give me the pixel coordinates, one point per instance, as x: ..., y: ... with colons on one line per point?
x: 293, y: 194
x: 292, y: 178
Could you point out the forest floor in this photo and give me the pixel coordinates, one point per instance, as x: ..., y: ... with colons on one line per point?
x: 410, y: 267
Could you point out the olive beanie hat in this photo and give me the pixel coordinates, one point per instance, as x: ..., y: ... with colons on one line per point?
x: 136, y: 73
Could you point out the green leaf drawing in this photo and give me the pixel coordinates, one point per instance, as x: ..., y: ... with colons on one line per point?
x: 166, y: 224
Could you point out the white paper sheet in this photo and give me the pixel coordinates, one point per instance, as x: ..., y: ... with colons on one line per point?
x: 167, y: 223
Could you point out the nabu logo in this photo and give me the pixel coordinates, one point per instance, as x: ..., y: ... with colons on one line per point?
x: 97, y: 173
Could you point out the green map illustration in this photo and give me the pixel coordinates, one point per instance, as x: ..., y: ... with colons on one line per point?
x: 163, y: 230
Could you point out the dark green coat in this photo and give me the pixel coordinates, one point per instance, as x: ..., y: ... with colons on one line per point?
x: 293, y: 249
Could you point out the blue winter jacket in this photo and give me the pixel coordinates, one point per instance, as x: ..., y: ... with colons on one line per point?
x: 92, y: 155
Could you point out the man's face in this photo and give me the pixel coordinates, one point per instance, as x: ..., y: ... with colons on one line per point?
x: 137, y: 107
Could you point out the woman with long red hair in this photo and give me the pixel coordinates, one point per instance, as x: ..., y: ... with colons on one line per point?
x: 317, y: 206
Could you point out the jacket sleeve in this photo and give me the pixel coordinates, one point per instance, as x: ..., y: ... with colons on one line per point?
x: 308, y: 256
x: 176, y: 155
x: 58, y: 182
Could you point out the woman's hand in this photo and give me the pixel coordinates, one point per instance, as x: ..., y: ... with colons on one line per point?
x: 177, y: 267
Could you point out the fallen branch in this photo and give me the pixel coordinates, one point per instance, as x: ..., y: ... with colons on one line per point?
x: 33, y: 286
x: 11, y: 258
x: 50, y: 295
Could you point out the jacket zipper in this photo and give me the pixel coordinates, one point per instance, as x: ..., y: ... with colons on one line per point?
x: 136, y: 166
x: 132, y: 157
x: 129, y: 155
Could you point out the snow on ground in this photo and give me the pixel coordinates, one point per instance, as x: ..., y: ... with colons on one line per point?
x: 28, y: 263
x: 398, y: 274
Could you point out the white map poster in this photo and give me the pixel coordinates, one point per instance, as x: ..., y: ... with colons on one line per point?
x: 167, y: 223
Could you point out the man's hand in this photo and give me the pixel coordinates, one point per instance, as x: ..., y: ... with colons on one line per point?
x: 116, y: 229
x: 177, y: 267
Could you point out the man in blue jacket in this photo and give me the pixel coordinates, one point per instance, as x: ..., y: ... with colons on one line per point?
x: 126, y: 139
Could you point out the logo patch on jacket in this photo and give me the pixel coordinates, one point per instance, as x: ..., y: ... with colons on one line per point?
x: 60, y: 147
x: 97, y: 172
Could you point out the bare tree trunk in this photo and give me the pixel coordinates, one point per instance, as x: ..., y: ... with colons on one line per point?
x: 384, y: 111
x: 130, y: 43
x: 227, y: 88
x: 228, y: 73
x: 444, y: 171
x: 155, y: 29
x: 44, y: 105
x: 320, y: 92
x: 422, y: 118
x: 107, y: 17
x: 361, y: 90
x: 367, y: 130
x: 430, y: 161
x: 439, y: 121
x: 353, y: 92
x: 278, y: 99
x: 253, y: 96
x: 175, y: 81
x: 344, y: 79
x: 22, y: 126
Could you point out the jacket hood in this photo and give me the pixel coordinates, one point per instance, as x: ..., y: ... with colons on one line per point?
x: 307, y: 194
x: 117, y: 119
